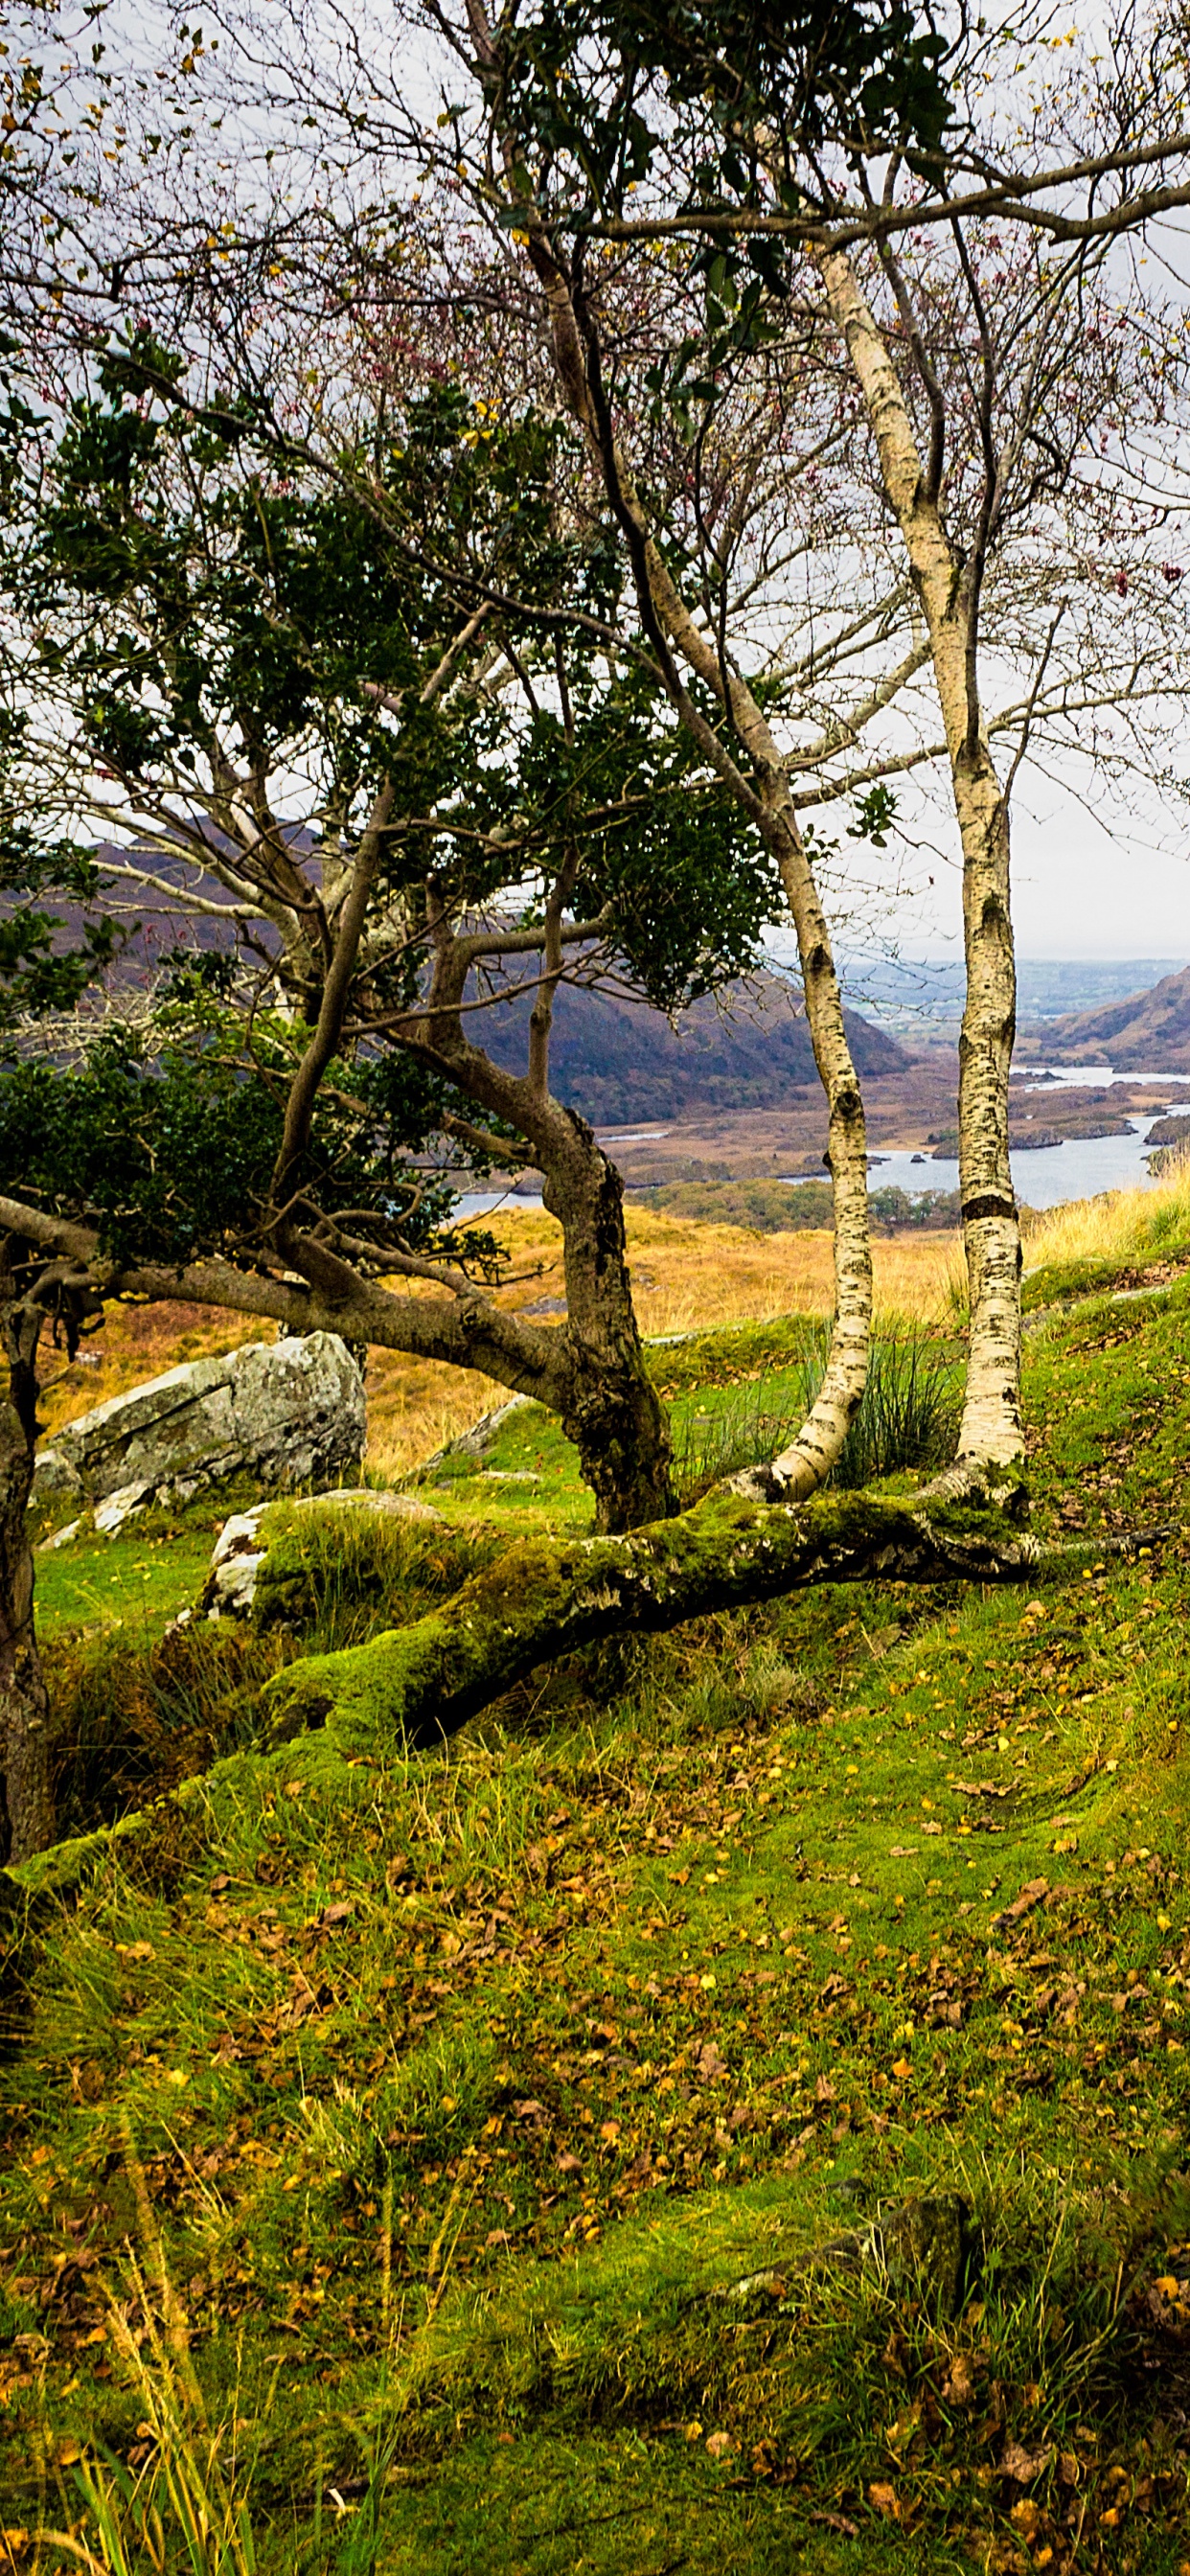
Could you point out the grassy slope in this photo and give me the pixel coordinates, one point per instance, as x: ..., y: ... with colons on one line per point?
x: 455, y: 2086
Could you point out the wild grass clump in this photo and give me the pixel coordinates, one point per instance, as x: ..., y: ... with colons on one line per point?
x: 129, y: 1724
x: 907, y: 1418
x: 827, y: 2366
x: 339, y: 1575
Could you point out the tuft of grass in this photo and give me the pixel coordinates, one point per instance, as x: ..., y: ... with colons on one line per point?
x: 906, y: 1420
x: 129, y: 1725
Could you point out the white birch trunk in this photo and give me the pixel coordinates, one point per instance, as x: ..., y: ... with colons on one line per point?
x: 991, y: 1424
x: 810, y: 1457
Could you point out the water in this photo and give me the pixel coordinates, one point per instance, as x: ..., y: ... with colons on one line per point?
x: 1043, y: 1178
x: 1096, y: 1076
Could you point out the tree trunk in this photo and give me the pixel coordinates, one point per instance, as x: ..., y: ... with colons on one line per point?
x: 613, y: 1412
x: 991, y: 1423
x: 24, y: 1704
x: 767, y: 798
x: 991, y: 1426
x: 417, y: 1685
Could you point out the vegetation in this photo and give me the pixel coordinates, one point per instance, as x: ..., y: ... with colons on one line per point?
x: 773, y: 1207
x: 458, y: 2092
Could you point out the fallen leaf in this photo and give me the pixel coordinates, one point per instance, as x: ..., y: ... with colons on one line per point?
x: 709, y: 2064
x: 719, y: 2446
x: 959, y: 2387
x: 568, y: 2164
x: 885, y: 2500
x: 824, y: 2091
x: 1033, y: 1894
x: 1016, y: 2462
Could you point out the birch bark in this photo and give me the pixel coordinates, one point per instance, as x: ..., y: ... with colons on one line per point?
x: 991, y: 1424
x: 766, y: 795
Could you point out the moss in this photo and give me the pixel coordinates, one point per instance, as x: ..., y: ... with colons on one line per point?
x: 542, y: 1600
x: 1063, y: 1283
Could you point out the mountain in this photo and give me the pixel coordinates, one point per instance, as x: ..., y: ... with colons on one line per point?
x: 619, y: 1062
x: 1149, y: 1032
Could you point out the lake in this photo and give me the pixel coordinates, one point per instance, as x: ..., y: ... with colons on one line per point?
x: 1043, y: 1177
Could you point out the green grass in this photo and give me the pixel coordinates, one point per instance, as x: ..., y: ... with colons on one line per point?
x: 141, y: 1577
x: 460, y: 2086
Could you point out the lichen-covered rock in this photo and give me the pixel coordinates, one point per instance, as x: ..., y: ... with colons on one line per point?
x: 250, y: 1545
x: 287, y: 1413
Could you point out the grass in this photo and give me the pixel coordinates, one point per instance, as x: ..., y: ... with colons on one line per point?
x: 1120, y: 1236
x: 459, y: 2088
x: 906, y: 1418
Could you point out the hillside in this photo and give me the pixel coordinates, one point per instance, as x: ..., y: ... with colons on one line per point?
x: 466, y: 2093
x: 1149, y: 1031
x: 618, y: 1061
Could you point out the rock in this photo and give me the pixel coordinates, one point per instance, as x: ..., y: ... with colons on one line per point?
x: 243, y: 1545
x: 60, y: 1537
x: 287, y: 1414
x: 925, y: 2247
x: 472, y: 1443
x: 123, y: 1505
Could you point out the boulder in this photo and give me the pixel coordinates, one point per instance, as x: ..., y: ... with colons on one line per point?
x: 286, y: 1413
x: 245, y: 1543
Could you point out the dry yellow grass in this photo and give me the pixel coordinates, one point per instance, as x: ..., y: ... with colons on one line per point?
x: 685, y: 1276
x: 1121, y: 1225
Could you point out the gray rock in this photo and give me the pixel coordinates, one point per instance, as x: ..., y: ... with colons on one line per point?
x: 242, y: 1547
x: 286, y: 1413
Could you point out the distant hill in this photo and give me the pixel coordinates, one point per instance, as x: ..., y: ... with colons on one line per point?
x: 1149, y: 1032
x: 621, y: 1063
x: 615, y: 1060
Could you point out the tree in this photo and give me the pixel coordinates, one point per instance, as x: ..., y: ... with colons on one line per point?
x: 192, y: 639
x: 785, y: 148
x: 671, y: 488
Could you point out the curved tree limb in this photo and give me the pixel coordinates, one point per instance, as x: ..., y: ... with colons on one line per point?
x: 544, y: 1599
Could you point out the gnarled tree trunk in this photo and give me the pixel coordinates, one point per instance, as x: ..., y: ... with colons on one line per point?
x: 612, y: 1412
x: 543, y: 1599
x: 24, y: 1704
